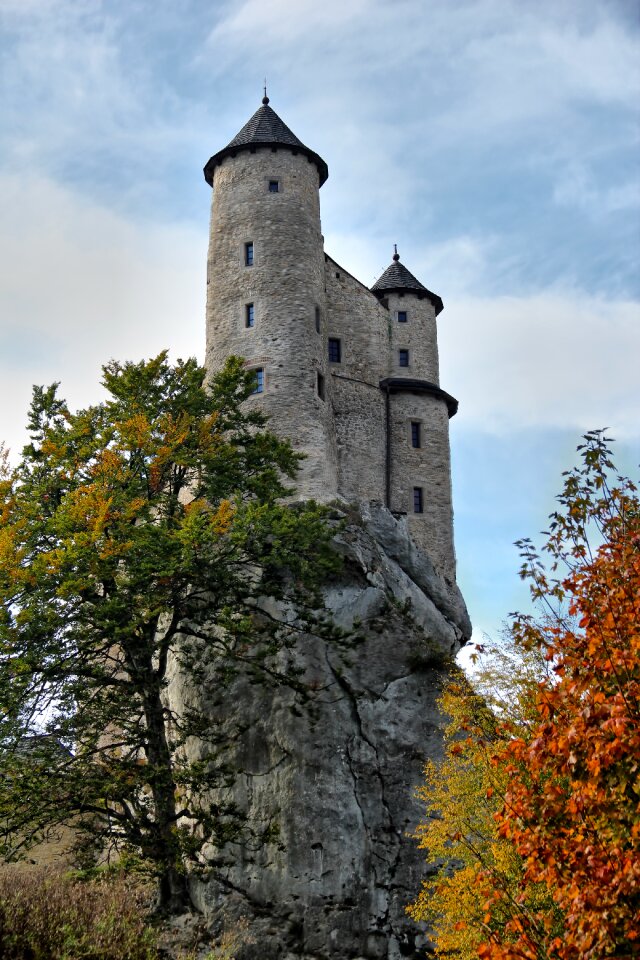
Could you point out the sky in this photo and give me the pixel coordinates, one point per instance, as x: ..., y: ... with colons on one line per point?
x: 495, y: 141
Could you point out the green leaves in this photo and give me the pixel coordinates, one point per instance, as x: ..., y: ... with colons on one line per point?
x: 142, y: 531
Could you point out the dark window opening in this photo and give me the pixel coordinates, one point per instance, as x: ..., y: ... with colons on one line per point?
x: 320, y: 384
x: 249, y: 316
x: 274, y: 186
x: 402, y: 316
x: 248, y: 254
x: 337, y: 275
x: 259, y: 375
x: 417, y: 500
x: 335, y: 350
x: 403, y: 358
x: 415, y: 434
x: 317, y: 319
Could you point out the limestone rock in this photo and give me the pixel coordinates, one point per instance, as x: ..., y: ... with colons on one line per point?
x: 341, y: 778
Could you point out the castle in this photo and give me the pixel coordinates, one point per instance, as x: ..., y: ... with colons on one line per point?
x: 348, y: 374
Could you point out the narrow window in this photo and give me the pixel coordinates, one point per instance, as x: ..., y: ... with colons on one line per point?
x: 403, y: 358
x: 249, y: 315
x: 335, y: 351
x: 417, y: 500
x: 415, y: 434
x: 248, y: 254
x: 259, y: 375
x: 274, y: 186
x: 317, y: 319
x: 402, y: 316
x: 320, y: 386
x: 337, y: 275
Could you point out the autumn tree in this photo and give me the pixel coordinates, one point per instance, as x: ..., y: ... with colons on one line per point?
x: 464, y: 792
x: 535, y: 812
x: 141, y: 533
x: 572, y: 802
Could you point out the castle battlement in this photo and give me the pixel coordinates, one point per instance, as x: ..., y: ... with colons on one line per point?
x: 349, y: 375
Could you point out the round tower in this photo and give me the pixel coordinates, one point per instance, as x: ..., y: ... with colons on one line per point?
x: 265, y: 285
x: 418, y: 457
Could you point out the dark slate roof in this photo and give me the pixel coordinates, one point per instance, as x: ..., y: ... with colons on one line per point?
x: 409, y: 385
x: 397, y: 279
x: 265, y: 129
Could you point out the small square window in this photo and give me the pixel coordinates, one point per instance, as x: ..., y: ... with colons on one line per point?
x: 248, y: 254
x: 259, y: 375
x: 249, y: 315
x: 403, y: 358
x: 417, y: 500
x: 335, y: 350
x: 415, y: 434
x: 317, y: 319
x: 274, y: 186
x: 402, y: 316
x: 320, y: 386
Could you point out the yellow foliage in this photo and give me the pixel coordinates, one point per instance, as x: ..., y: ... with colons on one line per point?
x: 461, y: 796
x: 136, y: 431
x: 223, y: 517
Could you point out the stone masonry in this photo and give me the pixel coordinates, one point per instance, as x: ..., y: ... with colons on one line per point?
x: 344, y: 371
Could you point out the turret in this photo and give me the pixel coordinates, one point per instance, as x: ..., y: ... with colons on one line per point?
x: 418, y: 465
x: 265, y: 285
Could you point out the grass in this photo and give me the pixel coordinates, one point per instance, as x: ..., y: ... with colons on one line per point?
x: 47, y: 914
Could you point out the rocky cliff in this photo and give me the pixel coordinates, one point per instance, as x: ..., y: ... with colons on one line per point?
x: 340, y: 779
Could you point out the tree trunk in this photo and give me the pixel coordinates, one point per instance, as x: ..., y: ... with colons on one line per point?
x: 173, y: 895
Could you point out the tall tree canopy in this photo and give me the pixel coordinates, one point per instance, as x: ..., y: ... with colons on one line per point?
x: 137, y: 535
x: 564, y: 784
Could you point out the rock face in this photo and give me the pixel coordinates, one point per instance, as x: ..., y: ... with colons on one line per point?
x: 340, y: 780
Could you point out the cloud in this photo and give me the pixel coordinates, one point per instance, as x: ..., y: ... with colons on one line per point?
x: 552, y: 360
x: 577, y: 187
x: 81, y: 285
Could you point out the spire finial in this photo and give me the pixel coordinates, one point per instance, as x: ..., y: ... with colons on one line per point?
x: 265, y: 99
x: 396, y: 255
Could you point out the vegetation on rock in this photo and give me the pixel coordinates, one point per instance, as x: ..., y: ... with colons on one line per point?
x: 537, y: 812
x: 140, y: 536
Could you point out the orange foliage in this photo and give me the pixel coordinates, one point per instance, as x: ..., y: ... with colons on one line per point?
x: 572, y: 806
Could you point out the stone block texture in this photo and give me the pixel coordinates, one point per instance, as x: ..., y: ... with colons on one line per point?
x: 355, y: 436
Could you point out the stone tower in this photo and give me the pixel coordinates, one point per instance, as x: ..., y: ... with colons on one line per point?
x: 265, y: 284
x: 350, y: 376
x: 418, y: 412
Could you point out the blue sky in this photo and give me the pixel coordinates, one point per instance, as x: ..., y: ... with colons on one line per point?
x: 495, y: 141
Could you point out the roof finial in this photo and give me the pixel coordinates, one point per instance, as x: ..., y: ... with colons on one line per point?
x: 396, y: 255
x: 265, y: 99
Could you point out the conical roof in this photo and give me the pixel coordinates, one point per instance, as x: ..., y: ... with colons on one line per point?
x: 264, y: 129
x: 397, y: 279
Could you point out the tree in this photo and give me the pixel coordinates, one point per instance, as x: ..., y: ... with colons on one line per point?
x: 463, y: 794
x: 572, y: 803
x: 535, y: 811
x: 139, y: 534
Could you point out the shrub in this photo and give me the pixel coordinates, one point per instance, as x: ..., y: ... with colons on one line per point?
x: 48, y: 915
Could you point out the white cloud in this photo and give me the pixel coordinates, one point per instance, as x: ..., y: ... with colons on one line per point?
x: 79, y: 286
x: 576, y: 187
x: 551, y: 360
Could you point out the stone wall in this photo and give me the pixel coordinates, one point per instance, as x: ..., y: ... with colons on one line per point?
x: 285, y: 284
x: 428, y: 468
x: 358, y: 320
x: 418, y: 335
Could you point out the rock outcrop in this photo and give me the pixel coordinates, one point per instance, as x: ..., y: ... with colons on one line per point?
x: 340, y: 779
